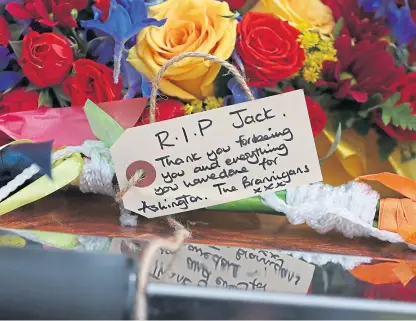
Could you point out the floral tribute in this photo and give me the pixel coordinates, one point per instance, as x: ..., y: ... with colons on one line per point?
x: 355, y: 59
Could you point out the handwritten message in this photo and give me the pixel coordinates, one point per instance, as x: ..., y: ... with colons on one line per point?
x: 218, y: 156
x: 231, y: 268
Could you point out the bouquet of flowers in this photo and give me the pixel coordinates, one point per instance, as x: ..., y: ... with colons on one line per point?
x: 354, y: 59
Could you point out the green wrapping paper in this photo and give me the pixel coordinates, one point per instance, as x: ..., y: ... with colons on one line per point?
x: 252, y: 204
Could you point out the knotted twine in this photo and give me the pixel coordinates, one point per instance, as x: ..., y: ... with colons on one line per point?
x: 175, y: 242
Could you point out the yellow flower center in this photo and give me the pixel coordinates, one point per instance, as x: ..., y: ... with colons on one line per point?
x: 346, y: 75
x: 318, y: 49
x: 213, y: 102
x: 196, y: 106
x: 193, y: 107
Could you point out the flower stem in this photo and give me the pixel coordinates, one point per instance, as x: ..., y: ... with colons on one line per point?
x: 118, y: 52
x: 80, y: 42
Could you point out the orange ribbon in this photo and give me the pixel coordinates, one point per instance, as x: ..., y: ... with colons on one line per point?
x: 386, y: 273
x: 395, y: 215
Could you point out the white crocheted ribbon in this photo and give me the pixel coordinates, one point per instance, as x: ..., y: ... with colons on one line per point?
x: 98, y: 171
x: 97, y: 174
x: 349, y: 209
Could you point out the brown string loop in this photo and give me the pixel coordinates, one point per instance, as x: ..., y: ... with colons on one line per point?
x: 155, y: 84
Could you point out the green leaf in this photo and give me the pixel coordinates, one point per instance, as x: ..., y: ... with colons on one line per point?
x: 102, y: 125
x: 338, y: 27
x: 399, y: 116
x: 32, y: 87
x: 373, y: 102
x: 362, y: 126
x: 342, y: 117
x: 247, y: 6
x: 17, y: 47
x: 404, y: 56
x: 45, y: 98
x: 393, y: 99
x: 386, y: 146
x: 62, y: 98
x: 334, y: 145
x: 323, y: 100
x: 16, y: 31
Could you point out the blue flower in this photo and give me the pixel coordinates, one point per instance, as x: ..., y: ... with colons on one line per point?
x: 8, y: 79
x: 5, y: 57
x: 134, y: 81
x: 104, y: 50
x: 399, y: 20
x: 402, y: 26
x: 379, y: 7
x: 125, y: 20
x: 238, y: 94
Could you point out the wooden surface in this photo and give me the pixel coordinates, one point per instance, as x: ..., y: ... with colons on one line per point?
x: 72, y: 212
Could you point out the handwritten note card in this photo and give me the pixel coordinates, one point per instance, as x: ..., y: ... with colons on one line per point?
x: 230, y: 268
x: 218, y: 156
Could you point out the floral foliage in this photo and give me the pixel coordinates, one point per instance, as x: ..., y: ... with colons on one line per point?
x: 355, y: 59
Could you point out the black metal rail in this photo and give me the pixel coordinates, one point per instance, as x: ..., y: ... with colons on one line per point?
x: 39, y: 284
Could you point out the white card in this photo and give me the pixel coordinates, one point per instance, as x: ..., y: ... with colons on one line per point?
x: 218, y: 156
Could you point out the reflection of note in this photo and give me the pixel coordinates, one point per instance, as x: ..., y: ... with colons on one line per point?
x: 233, y: 268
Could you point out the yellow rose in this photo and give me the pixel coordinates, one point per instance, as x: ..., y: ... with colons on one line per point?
x: 312, y: 13
x: 192, y: 25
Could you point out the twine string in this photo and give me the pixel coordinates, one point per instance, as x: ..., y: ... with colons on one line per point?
x: 155, y: 84
x: 137, y: 177
x: 175, y: 242
x: 153, y: 98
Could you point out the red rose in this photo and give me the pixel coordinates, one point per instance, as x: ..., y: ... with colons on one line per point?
x: 406, y: 85
x: 46, y: 58
x: 14, y: 101
x: 48, y: 12
x: 4, y: 32
x: 165, y: 109
x: 92, y: 81
x: 316, y: 114
x: 268, y: 48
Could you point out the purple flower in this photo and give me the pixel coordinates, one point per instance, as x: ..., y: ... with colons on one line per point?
x: 238, y: 94
x: 134, y: 81
x: 8, y: 79
x: 399, y: 19
x: 125, y: 20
